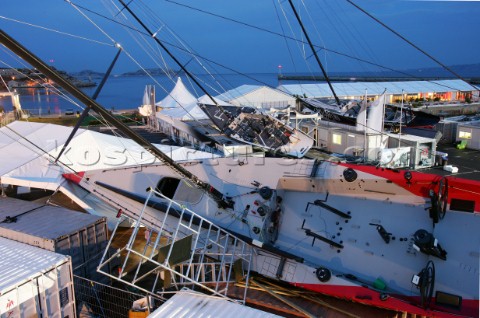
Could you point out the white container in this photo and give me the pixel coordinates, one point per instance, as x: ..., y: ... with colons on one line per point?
x: 34, y: 282
x: 82, y: 236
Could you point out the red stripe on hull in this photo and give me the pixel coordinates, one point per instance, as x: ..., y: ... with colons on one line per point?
x: 421, y: 183
x: 470, y: 307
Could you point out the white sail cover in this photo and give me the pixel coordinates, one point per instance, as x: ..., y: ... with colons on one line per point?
x: 147, y: 103
x: 375, y: 116
x: 179, y: 96
x: 145, y: 110
x: 362, y: 116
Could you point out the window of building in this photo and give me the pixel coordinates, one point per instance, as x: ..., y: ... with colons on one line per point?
x: 465, y: 134
x: 337, y: 139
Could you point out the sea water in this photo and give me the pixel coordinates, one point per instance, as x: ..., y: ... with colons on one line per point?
x: 126, y: 92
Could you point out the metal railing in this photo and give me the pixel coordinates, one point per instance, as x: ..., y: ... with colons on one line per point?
x: 177, y: 248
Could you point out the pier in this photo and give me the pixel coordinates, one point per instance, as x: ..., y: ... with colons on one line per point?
x: 360, y: 78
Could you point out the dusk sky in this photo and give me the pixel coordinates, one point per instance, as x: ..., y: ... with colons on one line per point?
x: 448, y: 30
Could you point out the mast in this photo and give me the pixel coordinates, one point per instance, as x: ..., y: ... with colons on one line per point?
x: 314, y: 52
x: 36, y: 62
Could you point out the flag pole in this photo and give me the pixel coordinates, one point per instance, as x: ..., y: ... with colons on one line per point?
x: 383, y: 111
x: 401, y: 122
x: 365, y: 128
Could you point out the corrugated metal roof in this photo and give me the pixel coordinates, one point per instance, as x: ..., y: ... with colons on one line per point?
x: 44, y: 221
x: 375, y: 88
x: 188, y: 303
x: 20, y: 262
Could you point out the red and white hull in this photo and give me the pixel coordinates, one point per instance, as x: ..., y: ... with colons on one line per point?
x: 362, y: 223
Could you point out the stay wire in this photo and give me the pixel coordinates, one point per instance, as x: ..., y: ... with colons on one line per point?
x: 284, y: 37
x: 291, y: 38
x: 298, y: 42
x: 177, y: 47
x: 409, y: 42
x: 255, y: 27
x: 187, y: 49
x: 55, y: 31
x: 124, y: 49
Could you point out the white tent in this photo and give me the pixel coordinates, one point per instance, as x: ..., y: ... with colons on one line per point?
x: 187, y: 112
x: 190, y: 111
x: 29, y: 150
x: 179, y: 96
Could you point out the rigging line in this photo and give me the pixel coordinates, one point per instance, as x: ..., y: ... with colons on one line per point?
x: 240, y: 73
x: 170, y: 54
x: 281, y: 35
x: 190, y: 51
x: 316, y: 30
x: 179, y: 48
x: 142, y: 42
x: 300, y: 48
x: 350, y: 41
x: 152, y: 16
x: 5, y: 84
x: 111, y: 20
x: 6, y: 40
x: 355, y: 34
x: 91, y: 21
x: 130, y: 56
x: 168, y: 74
x: 55, y: 31
x: 296, y: 40
x: 283, y: 32
x: 314, y: 52
x: 409, y: 42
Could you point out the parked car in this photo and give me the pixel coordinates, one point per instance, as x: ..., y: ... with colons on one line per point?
x: 69, y: 112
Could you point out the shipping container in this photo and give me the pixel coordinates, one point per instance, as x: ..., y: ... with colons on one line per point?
x: 34, y: 282
x: 82, y: 236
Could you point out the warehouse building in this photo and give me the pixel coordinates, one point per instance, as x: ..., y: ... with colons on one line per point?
x: 434, y: 91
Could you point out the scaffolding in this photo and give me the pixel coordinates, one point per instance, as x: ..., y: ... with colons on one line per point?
x: 179, y: 249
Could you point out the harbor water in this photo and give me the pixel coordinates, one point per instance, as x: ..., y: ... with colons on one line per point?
x: 126, y: 92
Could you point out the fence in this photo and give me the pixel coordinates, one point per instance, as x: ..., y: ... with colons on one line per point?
x: 102, y: 301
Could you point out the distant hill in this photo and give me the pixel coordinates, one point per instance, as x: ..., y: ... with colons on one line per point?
x: 151, y: 71
x: 87, y: 74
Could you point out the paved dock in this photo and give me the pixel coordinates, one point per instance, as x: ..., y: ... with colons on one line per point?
x: 466, y: 160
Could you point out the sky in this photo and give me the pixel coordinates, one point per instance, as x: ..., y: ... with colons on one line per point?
x: 244, y: 36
